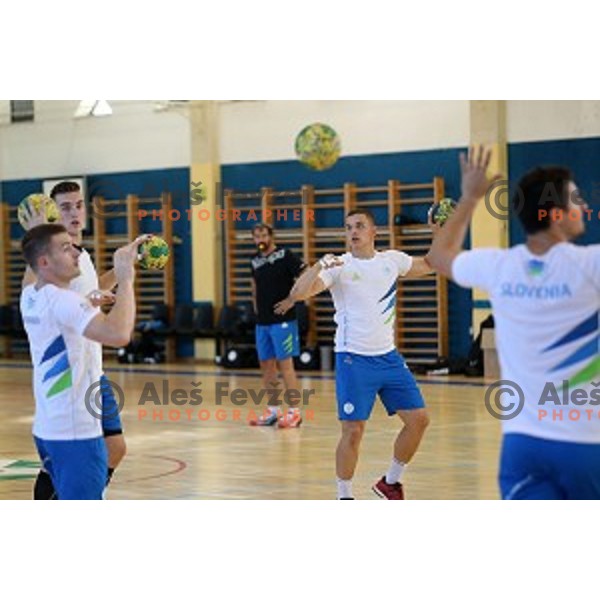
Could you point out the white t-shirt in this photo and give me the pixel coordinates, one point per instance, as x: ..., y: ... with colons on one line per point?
x: 86, y: 283
x: 546, y: 312
x: 364, y: 296
x: 55, y: 319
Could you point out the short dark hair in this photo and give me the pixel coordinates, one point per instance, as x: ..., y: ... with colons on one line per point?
x: 36, y: 241
x: 362, y: 211
x: 543, y: 188
x: 64, y: 187
x: 260, y: 226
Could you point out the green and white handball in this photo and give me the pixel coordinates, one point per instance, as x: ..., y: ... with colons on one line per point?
x: 441, y: 211
x: 154, y: 253
x: 318, y: 146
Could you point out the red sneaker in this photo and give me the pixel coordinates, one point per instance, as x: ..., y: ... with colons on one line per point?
x: 290, y: 420
x: 388, y: 492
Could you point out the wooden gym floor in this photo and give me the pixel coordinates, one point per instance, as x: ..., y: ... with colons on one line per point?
x: 208, y: 451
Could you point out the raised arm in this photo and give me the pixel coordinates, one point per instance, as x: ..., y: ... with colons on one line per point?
x: 448, y: 242
x: 108, y: 280
x: 309, y: 284
x: 420, y: 267
x: 115, y: 328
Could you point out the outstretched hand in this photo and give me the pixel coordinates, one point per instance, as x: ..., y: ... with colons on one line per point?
x: 475, y: 182
x: 283, y: 306
x: 329, y: 261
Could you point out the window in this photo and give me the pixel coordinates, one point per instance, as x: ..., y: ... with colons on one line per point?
x: 21, y: 111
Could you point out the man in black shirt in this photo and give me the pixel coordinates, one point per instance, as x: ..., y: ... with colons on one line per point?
x: 274, y: 271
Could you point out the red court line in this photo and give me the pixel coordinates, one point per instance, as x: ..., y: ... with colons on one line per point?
x: 181, y: 465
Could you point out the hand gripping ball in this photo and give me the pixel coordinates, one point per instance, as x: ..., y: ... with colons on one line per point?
x: 32, y: 204
x: 154, y: 253
x: 440, y: 212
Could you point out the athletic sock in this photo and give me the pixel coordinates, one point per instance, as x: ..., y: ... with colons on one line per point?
x: 344, y: 488
x: 394, y: 474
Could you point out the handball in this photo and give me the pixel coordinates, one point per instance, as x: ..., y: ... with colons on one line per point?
x: 32, y: 204
x: 154, y: 253
x: 440, y: 212
x: 318, y: 146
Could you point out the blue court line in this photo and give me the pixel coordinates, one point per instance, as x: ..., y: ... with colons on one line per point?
x: 252, y: 375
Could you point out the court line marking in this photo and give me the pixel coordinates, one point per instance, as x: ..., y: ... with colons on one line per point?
x: 181, y: 465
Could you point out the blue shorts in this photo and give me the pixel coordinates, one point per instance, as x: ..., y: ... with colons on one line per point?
x: 279, y: 341
x: 78, y: 468
x: 359, y: 378
x: 111, y: 419
x: 536, y: 469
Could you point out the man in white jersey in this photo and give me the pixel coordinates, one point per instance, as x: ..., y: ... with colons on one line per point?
x: 545, y: 296
x: 61, y: 326
x: 73, y: 215
x: 363, y: 283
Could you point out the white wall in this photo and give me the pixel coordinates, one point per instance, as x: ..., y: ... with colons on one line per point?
x: 137, y: 137
x: 266, y: 130
x: 552, y: 120
x: 134, y: 137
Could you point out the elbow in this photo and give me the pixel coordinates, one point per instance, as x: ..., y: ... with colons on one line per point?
x: 117, y: 339
x: 440, y: 263
x: 121, y: 341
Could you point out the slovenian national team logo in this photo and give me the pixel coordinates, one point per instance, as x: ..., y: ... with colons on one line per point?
x: 535, y: 268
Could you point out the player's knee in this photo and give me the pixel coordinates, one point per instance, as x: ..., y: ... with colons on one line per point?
x: 117, y: 449
x: 420, y: 420
x: 286, y: 365
x: 352, y: 432
x: 122, y: 448
x: 269, y: 369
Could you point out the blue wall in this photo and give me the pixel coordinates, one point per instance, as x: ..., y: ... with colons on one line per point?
x: 582, y: 156
x: 143, y: 184
x: 407, y: 167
